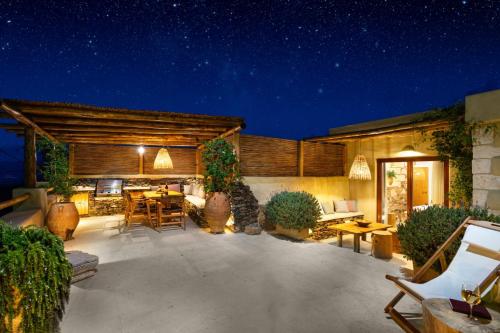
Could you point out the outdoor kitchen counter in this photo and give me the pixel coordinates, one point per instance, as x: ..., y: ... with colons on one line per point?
x: 83, y: 188
x: 136, y: 188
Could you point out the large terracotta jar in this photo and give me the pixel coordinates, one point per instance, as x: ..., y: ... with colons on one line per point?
x: 217, y: 211
x: 63, y: 219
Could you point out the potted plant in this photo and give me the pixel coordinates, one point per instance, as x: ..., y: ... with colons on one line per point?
x: 391, y: 174
x: 63, y: 217
x: 34, y: 279
x: 220, y: 174
x: 426, y: 230
x: 293, y: 213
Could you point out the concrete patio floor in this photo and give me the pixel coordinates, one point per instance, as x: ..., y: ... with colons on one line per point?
x: 193, y: 281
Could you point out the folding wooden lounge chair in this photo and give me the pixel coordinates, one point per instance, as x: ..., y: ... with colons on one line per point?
x: 477, y: 260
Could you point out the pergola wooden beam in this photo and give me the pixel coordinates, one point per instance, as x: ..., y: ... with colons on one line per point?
x: 224, y: 135
x: 81, y: 111
x: 26, y: 121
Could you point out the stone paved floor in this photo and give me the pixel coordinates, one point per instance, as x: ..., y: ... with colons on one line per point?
x: 193, y: 281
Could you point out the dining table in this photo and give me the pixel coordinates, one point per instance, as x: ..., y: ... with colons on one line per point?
x: 156, y: 195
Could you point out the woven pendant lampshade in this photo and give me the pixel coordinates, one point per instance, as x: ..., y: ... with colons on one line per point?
x: 360, y: 169
x: 163, y: 160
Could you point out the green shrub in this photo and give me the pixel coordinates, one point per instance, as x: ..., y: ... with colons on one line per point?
x: 33, y: 263
x: 293, y: 210
x: 426, y: 230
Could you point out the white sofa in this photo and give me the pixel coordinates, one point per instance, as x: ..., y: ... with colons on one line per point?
x: 340, y: 216
x: 194, y: 204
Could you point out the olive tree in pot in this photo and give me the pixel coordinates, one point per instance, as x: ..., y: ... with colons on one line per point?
x: 34, y: 279
x: 221, y: 173
x: 63, y: 217
x: 293, y: 213
x: 426, y: 230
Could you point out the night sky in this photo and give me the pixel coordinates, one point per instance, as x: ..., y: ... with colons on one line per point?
x: 291, y: 68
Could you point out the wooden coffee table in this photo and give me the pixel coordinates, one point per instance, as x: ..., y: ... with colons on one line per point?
x: 358, y: 232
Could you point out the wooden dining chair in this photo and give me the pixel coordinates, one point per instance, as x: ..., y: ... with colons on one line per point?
x: 151, y: 210
x: 170, y: 211
x: 135, y: 206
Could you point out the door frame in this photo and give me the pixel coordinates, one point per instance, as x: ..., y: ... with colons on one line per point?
x: 409, y: 169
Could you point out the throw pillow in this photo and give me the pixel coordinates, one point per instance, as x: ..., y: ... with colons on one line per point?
x: 174, y: 187
x: 188, y: 189
x: 341, y: 206
x: 327, y: 207
x: 352, y: 206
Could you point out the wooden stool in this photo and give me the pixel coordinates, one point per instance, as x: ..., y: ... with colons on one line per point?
x: 382, y: 244
x: 396, y: 245
x: 391, y: 219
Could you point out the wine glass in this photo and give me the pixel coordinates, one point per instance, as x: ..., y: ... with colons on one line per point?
x: 471, y: 295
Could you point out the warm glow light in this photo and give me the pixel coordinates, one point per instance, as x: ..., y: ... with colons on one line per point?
x: 140, y: 150
x: 360, y: 169
x: 163, y: 160
x: 409, y: 151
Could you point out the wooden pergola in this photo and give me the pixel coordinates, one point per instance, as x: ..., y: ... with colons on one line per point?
x: 85, y: 124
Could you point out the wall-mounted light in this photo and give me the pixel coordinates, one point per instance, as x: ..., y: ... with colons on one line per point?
x: 140, y: 150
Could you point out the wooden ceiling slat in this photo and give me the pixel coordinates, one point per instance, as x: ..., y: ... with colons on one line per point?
x: 73, y: 123
x: 63, y: 121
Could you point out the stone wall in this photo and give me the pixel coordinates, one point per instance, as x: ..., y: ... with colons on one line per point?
x: 244, y: 206
x: 396, y: 191
x: 485, y: 107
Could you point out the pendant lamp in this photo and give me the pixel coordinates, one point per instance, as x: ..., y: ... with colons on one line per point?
x: 163, y: 160
x: 360, y: 169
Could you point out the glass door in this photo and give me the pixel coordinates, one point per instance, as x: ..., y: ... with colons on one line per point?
x: 404, y: 184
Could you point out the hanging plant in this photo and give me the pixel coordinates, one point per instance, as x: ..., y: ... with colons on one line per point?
x: 34, y: 279
x: 55, y: 169
x: 455, y: 143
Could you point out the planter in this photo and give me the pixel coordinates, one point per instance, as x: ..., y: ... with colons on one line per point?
x: 390, y: 180
x: 217, y: 211
x: 298, y: 234
x: 63, y: 219
x: 429, y: 275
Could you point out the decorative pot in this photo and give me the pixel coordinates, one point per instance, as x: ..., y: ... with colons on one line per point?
x: 63, y: 219
x: 298, y: 234
x: 217, y: 211
x: 391, y: 180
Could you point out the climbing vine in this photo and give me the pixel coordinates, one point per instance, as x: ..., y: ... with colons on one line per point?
x: 34, y: 279
x: 455, y: 143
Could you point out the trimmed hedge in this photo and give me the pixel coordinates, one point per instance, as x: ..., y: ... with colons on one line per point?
x: 426, y: 230
x: 293, y: 210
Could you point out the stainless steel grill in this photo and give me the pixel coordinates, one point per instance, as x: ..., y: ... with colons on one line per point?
x: 108, y: 188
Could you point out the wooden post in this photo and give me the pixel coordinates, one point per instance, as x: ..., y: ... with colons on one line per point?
x: 29, y: 157
x: 236, y: 145
x: 141, y: 164
x: 71, y: 158
x: 198, y: 161
x: 301, y: 158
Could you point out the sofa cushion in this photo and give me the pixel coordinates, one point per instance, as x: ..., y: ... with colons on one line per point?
x: 338, y: 216
x: 196, y: 201
x: 24, y: 218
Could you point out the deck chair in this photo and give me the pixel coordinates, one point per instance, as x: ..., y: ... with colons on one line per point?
x: 477, y: 260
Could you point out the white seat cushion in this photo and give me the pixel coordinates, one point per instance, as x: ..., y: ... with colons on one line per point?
x: 195, y: 200
x: 337, y: 216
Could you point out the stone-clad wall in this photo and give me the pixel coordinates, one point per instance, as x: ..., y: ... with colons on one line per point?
x: 485, y: 108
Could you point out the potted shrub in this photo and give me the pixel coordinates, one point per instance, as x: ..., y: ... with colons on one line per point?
x: 34, y: 279
x: 293, y: 213
x: 63, y: 217
x: 391, y: 174
x: 426, y: 230
x: 220, y: 175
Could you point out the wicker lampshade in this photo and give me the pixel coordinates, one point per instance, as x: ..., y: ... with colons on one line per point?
x: 360, y: 169
x: 163, y: 160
